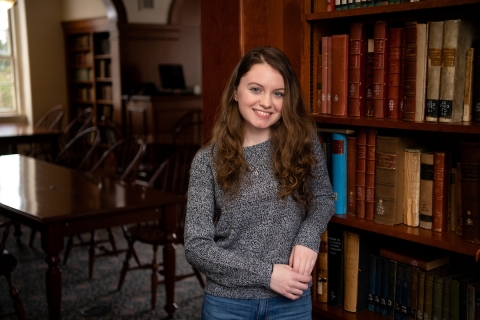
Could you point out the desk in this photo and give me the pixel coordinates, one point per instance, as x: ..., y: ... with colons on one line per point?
x: 58, y: 202
x: 16, y: 133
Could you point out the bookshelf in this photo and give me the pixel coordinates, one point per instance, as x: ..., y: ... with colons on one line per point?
x: 338, y: 22
x: 93, y: 71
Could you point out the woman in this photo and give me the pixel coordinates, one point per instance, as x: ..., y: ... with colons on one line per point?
x: 259, y: 197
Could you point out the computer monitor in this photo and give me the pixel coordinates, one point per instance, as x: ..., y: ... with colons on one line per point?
x: 171, y: 76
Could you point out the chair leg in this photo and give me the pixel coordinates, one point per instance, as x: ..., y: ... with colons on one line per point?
x: 125, y: 266
x: 91, y: 255
x: 17, y: 304
x: 111, y: 238
x: 33, y: 233
x: 67, y: 249
x: 154, y: 277
x: 17, y: 231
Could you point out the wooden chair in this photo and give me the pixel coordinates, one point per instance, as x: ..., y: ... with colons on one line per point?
x: 8, y: 263
x: 80, y: 122
x: 79, y: 151
x: 119, y: 162
x: 172, y: 175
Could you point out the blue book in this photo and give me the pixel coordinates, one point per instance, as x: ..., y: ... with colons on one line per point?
x: 371, y: 283
x: 398, y: 292
x: 339, y: 171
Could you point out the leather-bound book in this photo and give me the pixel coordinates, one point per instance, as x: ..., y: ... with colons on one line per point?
x: 370, y: 174
x: 371, y: 283
x: 389, y: 179
x: 351, y: 174
x: 407, y: 270
x: 335, y: 266
x: 434, y: 65
x: 476, y: 81
x: 392, y: 278
x: 357, y: 71
x: 412, y: 310
x: 426, y: 190
x: 441, y: 184
x: 356, y: 271
x: 317, y: 106
x: 340, y: 55
x: 326, y: 75
x: 467, y: 97
x: 470, y: 164
x: 452, y: 206
x: 415, y: 71
x: 361, y: 166
x: 394, y: 74
x: 322, y: 269
x: 458, y: 193
x: 398, y: 292
x: 369, y: 79
x: 458, y: 36
x: 420, y: 294
x: 380, y: 69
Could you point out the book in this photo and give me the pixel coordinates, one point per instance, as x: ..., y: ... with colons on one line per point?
x: 356, y: 271
x: 412, y: 309
x: 404, y: 309
x: 335, y: 266
x: 357, y: 68
x: 370, y: 174
x: 441, y: 184
x: 340, y: 50
x: 458, y: 191
x: 380, y: 69
x: 378, y: 284
x: 317, y: 106
x: 415, y: 71
x: 454, y: 293
x: 476, y: 81
x: 420, y: 294
x: 339, y: 171
x: 369, y: 79
x: 452, y: 205
x: 458, y: 36
x: 423, y: 258
x: 351, y: 174
x: 394, y: 74
x: 371, y: 283
x: 322, y: 269
x: 464, y: 282
x: 470, y: 190
x: 361, y: 165
x: 412, y: 185
x: 384, y: 290
x: 428, y: 299
x: 389, y: 179
x: 392, y: 278
x: 326, y: 75
x: 426, y: 190
x: 467, y: 97
x: 434, y: 65
x: 398, y: 292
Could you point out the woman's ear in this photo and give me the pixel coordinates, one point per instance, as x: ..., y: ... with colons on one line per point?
x: 235, y: 95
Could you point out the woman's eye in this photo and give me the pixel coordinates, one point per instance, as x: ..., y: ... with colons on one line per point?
x: 279, y: 94
x: 255, y: 89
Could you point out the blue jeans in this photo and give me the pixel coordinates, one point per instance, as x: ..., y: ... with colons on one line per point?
x: 279, y: 308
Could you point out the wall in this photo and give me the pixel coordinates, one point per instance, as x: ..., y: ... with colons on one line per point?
x: 159, y: 13
x: 84, y: 9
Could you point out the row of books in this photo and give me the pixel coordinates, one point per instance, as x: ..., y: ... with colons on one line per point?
x: 331, y: 5
x: 400, y: 179
x: 413, y: 71
x: 356, y: 275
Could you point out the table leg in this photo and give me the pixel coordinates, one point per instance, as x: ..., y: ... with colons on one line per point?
x: 52, y: 244
x: 169, y: 257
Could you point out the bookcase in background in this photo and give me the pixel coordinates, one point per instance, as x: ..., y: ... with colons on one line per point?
x: 93, y: 71
x: 328, y: 23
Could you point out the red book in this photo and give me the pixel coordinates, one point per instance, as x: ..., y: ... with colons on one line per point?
x: 351, y: 174
x: 361, y: 153
x: 394, y: 74
x: 326, y: 75
x: 441, y: 183
x: 317, y: 106
x: 370, y: 174
x: 369, y: 81
x: 340, y: 74
x: 380, y: 69
x: 357, y: 70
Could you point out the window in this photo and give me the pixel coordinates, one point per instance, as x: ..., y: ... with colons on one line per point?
x: 7, y: 71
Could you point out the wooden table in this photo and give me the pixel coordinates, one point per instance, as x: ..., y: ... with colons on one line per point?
x: 59, y: 202
x: 15, y: 133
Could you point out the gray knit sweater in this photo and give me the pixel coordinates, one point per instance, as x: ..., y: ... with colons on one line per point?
x: 237, y: 251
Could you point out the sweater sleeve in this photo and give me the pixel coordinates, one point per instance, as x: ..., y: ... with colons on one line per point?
x: 323, y: 207
x: 219, y: 264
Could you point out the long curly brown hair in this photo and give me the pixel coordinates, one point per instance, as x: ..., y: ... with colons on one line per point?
x: 291, y: 136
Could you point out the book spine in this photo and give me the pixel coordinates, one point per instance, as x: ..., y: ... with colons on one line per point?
x: 476, y: 81
x: 406, y: 292
x: 426, y: 190
x: 412, y: 311
x: 467, y: 99
x: 421, y: 294
x: 470, y: 189
x: 458, y: 192
x: 339, y: 171
x: 434, y: 64
x: 350, y: 270
x: 403, y: 259
x: 392, y: 278
x: 317, y: 107
x: 398, y: 292
x: 361, y: 165
x: 446, y: 298
x: 384, y: 291
x: 380, y: 69
x: 322, y: 269
x: 454, y: 304
x: 371, y: 283
x: 441, y: 175
x: 394, y: 74
x: 326, y: 59
x: 369, y: 79
x: 412, y: 186
x: 452, y: 205
x: 370, y: 174
x: 378, y: 283
x: 410, y: 75
x: 340, y: 53
x: 437, y: 296
x: 357, y: 70
x: 351, y: 174
x: 335, y: 266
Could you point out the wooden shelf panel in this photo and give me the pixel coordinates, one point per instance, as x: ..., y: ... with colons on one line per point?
x: 334, y: 313
x: 403, y: 8
x: 443, y: 240
x: 103, y: 56
x: 458, y: 127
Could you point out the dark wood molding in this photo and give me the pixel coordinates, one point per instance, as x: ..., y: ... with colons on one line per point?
x: 116, y: 10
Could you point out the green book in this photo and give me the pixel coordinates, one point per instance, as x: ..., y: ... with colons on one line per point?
x: 391, y: 1
x: 369, y: 3
x: 350, y: 4
x: 428, y: 300
x: 358, y: 4
x: 377, y: 2
x: 364, y: 3
x: 413, y: 293
x: 392, y: 278
x: 421, y: 294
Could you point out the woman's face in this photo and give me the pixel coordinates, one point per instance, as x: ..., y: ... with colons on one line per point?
x: 260, y: 99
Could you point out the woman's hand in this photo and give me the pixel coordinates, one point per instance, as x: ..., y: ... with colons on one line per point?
x: 287, y: 282
x: 302, y: 259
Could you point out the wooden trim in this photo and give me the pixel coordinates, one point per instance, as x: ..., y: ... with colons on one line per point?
x: 146, y: 31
